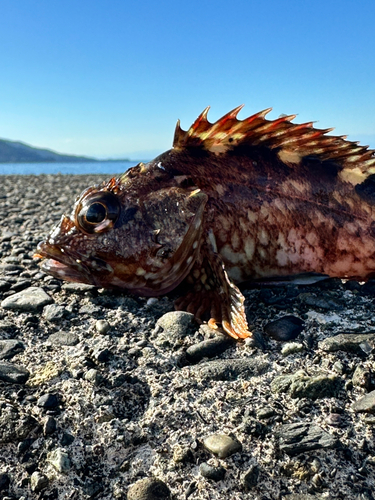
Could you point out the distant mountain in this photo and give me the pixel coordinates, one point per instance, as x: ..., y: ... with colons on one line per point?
x: 18, y: 152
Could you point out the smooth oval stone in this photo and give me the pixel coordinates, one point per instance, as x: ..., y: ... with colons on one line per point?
x: 222, y: 445
x: 285, y: 328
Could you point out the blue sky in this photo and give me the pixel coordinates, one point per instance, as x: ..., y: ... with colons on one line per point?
x: 109, y: 78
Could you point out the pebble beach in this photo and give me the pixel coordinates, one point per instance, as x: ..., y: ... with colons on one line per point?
x: 104, y: 395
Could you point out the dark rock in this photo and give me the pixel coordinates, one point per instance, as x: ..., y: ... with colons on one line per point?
x: 48, y: 401
x: 66, y: 439
x: 300, y: 385
x: 285, y: 328
x: 301, y: 437
x: 20, y: 285
x: 229, y: 369
x: 350, y: 342
x: 253, y: 427
x: 49, y: 426
x: 250, y: 478
x: 9, y: 348
x: 266, y: 412
x: 13, y: 374
x: 8, y: 329
x: 208, y: 348
x: 326, y: 304
x: 211, y: 472
x: 149, y: 489
x: 14, y: 425
x: 102, y: 355
x: 4, y: 481
x: 24, y: 445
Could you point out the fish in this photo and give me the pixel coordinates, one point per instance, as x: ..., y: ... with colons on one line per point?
x: 232, y: 201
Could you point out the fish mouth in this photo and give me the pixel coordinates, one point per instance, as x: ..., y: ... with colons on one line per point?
x: 70, y: 266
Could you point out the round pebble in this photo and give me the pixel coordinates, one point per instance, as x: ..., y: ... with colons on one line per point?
x: 222, y: 445
x: 148, y: 489
x: 102, y: 326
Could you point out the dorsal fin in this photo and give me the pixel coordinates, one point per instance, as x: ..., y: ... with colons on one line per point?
x: 294, y: 141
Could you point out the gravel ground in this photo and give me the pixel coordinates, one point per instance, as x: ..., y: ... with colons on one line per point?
x: 108, y: 396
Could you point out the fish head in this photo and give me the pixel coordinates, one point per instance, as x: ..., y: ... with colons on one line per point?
x: 138, y: 233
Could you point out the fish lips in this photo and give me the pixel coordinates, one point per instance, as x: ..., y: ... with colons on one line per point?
x: 70, y: 266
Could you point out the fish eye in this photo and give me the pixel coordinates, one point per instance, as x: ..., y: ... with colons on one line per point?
x: 97, y: 212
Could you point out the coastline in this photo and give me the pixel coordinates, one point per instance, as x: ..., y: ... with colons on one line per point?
x: 114, y: 389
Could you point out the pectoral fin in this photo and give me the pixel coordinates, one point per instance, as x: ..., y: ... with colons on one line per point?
x: 213, y: 294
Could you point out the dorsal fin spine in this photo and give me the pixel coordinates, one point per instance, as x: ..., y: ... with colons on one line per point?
x: 300, y: 139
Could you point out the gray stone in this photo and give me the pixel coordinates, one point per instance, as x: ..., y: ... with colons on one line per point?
x: 365, y: 404
x: 349, y: 342
x: 301, y: 437
x: 9, y: 348
x: 13, y: 374
x: 77, y: 287
x: 94, y: 376
x: 229, y: 369
x: 15, y: 426
x: 208, y: 348
x: 38, y: 481
x: 292, y: 348
x: 222, y: 445
x: 148, y: 489
x: 63, y: 338
x: 102, y: 326
x: 54, y: 313
x: 172, y: 328
x: 362, y: 377
x: 30, y: 299
x: 60, y: 460
x: 182, y: 454
x: 211, y: 472
x: 300, y: 385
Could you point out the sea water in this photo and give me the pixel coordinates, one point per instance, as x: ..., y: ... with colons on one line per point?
x: 97, y: 167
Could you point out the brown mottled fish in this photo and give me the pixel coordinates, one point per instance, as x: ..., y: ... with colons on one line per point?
x: 232, y: 201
